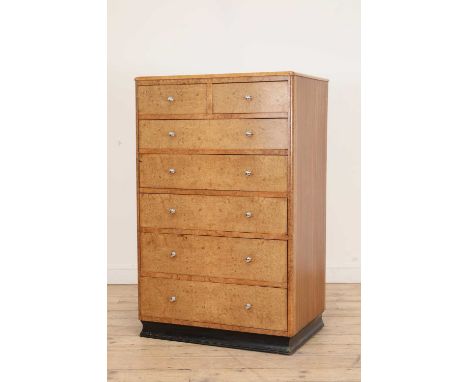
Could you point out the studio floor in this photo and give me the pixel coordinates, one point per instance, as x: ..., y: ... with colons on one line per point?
x: 333, y: 354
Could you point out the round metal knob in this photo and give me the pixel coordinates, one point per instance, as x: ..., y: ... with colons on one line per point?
x: 171, y: 133
x: 248, y: 214
x: 170, y: 99
x: 248, y: 172
x: 249, y: 133
x: 248, y: 97
x: 173, y: 254
x: 171, y: 171
x: 248, y: 306
x: 248, y: 259
x: 172, y: 211
x: 172, y: 299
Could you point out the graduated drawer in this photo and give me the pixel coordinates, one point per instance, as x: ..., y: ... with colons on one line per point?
x: 172, y: 99
x: 252, y: 97
x: 214, y: 172
x: 228, y: 304
x: 214, y: 134
x: 218, y: 213
x: 222, y: 257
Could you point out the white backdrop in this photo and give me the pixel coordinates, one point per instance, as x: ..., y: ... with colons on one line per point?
x: 316, y: 37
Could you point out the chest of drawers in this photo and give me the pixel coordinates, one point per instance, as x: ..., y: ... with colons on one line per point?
x: 231, y: 176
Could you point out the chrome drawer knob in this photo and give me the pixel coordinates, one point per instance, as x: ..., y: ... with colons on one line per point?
x: 248, y: 306
x: 172, y: 211
x: 172, y: 299
x: 248, y: 214
x: 248, y: 172
x: 248, y: 97
x: 170, y: 99
x: 248, y: 259
x: 173, y: 254
x: 249, y: 133
x: 171, y: 171
x: 172, y: 133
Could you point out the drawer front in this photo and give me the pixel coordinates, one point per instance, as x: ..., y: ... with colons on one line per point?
x: 254, y: 97
x: 214, y: 303
x: 233, y: 258
x: 214, y: 134
x: 172, y: 99
x: 214, y: 172
x: 219, y: 213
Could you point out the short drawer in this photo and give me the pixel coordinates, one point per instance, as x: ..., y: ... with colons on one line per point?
x: 228, y: 304
x: 214, y: 172
x: 217, y: 134
x: 219, y: 213
x: 172, y: 99
x: 223, y: 257
x: 253, y: 97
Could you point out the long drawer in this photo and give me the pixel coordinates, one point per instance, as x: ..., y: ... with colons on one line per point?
x: 217, y: 134
x: 214, y: 172
x: 223, y: 257
x: 228, y: 304
x: 223, y: 213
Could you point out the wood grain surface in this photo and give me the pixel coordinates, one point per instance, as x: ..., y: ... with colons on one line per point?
x: 266, y: 97
x: 187, y: 99
x: 227, y: 76
x: 222, y: 134
x: 307, y: 284
x: 219, y: 257
x: 210, y: 152
x: 210, y: 81
x: 270, y: 115
x: 214, y: 302
x: 332, y: 355
x: 224, y: 213
x: 179, y: 191
x: 214, y: 172
x: 217, y: 233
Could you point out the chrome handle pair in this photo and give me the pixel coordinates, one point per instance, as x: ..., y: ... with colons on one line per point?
x: 247, y: 214
x: 248, y: 133
x: 247, y: 259
x: 172, y: 171
x: 246, y: 97
x: 246, y: 306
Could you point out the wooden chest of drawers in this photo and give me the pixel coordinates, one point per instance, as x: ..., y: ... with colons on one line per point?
x: 231, y: 208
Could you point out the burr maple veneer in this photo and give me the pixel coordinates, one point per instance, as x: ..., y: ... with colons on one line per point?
x: 231, y: 173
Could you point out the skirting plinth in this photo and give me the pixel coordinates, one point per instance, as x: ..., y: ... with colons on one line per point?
x: 231, y: 339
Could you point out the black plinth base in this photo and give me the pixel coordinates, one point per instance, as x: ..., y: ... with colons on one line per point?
x: 231, y: 339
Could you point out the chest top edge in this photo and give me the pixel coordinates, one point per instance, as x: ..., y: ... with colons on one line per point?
x: 227, y: 75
